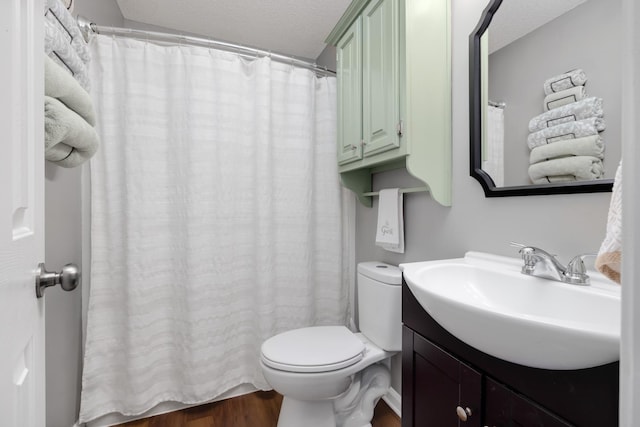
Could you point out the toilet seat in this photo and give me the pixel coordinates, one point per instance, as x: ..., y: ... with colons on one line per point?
x: 313, y: 349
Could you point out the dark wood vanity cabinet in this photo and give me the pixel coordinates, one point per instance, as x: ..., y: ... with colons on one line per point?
x: 442, y: 376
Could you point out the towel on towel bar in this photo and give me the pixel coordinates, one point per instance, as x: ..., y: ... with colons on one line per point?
x: 582, y: 168
x: 68, y: 139
x: 571, y: 130
x: 564, y: 81
x: 585, y: 146
x: 390, y: 230
x: 64, y: 43
x: 65, y: 55
x: 59, y: 84
x: 567, y: 96
x: 589, y: 107
x: 609, y: 259
x: 56, y: 13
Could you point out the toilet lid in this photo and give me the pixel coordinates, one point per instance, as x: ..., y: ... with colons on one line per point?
x: 314, y: 349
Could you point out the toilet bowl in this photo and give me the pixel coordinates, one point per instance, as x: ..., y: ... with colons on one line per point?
x: 330, y: 376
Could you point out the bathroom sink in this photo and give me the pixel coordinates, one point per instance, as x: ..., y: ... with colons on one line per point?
x: 486, y: 302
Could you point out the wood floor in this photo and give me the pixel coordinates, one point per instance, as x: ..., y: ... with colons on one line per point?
x: 259, y: 409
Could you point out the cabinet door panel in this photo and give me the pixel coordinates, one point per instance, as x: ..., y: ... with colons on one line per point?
x: 435, y: 390
x: 504, y: 407
x: 381, y: 89
x: 349, y: 63
x: 441, y: 384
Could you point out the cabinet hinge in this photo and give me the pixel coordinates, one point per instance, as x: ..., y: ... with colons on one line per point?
x: 400, y: 128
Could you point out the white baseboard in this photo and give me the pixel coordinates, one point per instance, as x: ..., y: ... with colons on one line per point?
x: 394, y: 400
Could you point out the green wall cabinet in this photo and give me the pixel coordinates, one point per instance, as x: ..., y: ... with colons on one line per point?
x: 394, y: 93
x: 349, y: 61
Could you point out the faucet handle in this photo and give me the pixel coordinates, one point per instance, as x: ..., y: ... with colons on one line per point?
x: 528, y: 256
x: 576, y: 271
x: 517, y: 245
x: 525, y: 250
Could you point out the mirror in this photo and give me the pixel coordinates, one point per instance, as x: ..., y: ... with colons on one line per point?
x: 537, y: 128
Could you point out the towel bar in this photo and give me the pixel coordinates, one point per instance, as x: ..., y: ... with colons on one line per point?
x: 402, y: 190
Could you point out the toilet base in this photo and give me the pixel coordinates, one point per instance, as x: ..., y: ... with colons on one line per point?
x: 354, y: 408
x: 297, y: 413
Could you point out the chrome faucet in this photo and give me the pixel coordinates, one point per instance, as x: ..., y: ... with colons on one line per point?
x: 540, y: 263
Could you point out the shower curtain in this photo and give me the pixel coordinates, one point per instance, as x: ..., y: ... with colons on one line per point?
x: 216, y: 221
x: 493, y: 162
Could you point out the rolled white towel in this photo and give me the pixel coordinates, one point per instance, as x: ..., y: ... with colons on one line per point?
x: 571, y: 130
x: 585, y: 146
x: 61, y: 85
x: 589, y: 107
x: 68, y: 139
x: 555, y: 179
x: 564, y: 81
x: 564, y: 97
x: 582, y: 168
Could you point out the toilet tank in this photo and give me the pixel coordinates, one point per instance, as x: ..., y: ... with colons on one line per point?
x: 380, y: 304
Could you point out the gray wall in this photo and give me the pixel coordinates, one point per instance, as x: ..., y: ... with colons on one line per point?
x: 563, y: 224
x: 586, y: 37
x: 63, y: 245
x: 327, y: 58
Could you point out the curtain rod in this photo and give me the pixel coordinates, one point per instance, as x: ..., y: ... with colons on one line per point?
x: 87, y: 27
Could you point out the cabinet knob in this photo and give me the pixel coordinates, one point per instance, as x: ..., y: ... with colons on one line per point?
x: 463, y: 414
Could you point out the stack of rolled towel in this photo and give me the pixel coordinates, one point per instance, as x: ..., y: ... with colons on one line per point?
x: 565, y: 140
x: 69, y: 117
x: 64, y: 43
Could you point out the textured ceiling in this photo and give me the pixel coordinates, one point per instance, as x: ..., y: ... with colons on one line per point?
x: 516, y: 18
x: 292, y: 27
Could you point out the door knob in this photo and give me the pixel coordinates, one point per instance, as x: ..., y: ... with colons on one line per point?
x: 68, y: 278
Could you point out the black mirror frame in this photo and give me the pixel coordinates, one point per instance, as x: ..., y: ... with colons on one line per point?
x: 475, y: 127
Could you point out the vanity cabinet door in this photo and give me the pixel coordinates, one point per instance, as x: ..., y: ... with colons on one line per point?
x: 381, y: 86
x: 505, y: 408
x: 349, y: 63
x: 441, y: 387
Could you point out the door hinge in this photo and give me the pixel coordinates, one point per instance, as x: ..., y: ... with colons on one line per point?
x: 400, y: 128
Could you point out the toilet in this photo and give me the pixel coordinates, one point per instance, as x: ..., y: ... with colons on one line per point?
x: 330, y: 376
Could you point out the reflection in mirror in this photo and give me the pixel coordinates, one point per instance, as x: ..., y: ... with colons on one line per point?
x: 546, y: 96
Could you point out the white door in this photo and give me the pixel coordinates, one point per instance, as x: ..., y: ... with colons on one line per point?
x: 22, y: 391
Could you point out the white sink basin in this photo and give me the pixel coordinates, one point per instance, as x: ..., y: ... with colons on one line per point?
x: 486, y: 302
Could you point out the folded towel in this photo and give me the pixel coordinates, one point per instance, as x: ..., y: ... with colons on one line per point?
x: 555, y: 179
x: 390, y: 231
x: 68, y: 139
x: 58, y: 13
x: 571, y: 130
x: 57, y: 47
x: 59, y: 84
x: 583, y: 168
x: 585, y: 146
x: 609, y: 259
x: 564, y: 81
x: 564, y: 97
x: 589, y: 107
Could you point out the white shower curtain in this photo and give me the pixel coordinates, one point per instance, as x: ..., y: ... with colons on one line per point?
x: 494, y: 157
x: 216, y: 221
